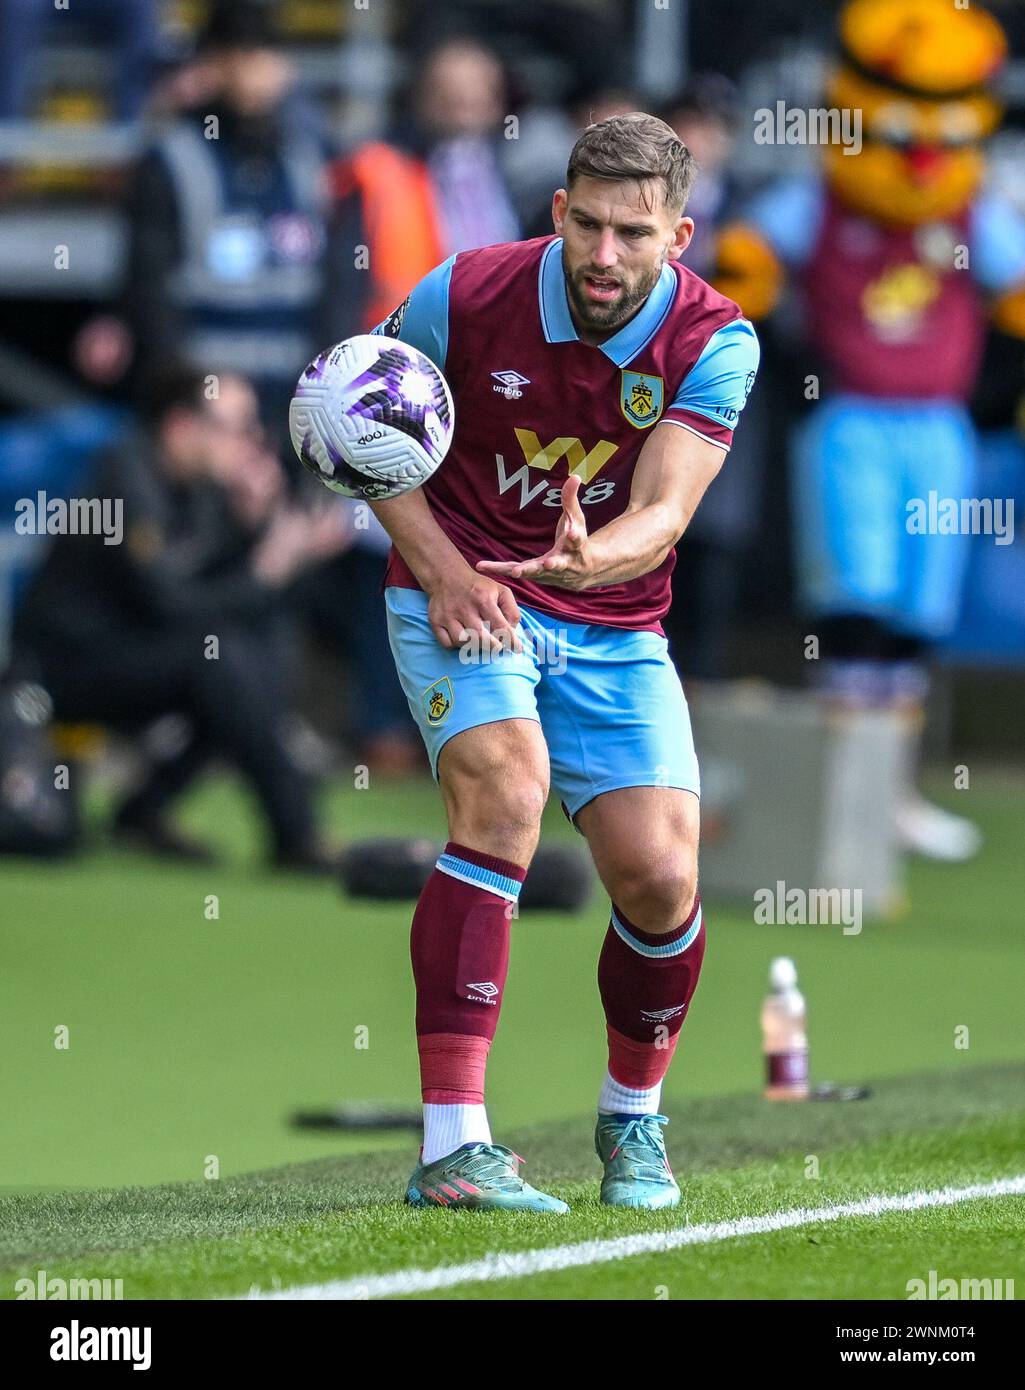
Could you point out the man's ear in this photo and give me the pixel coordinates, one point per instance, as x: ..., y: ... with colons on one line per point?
x: 560, y: 202
x: 684, y: 232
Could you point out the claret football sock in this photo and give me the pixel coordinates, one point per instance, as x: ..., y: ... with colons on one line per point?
x: 646, y: 981
x: 460, y: 951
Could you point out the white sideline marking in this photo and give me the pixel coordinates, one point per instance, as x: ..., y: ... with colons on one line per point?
x: 520, y: 1264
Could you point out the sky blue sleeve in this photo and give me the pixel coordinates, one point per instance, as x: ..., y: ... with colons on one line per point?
x: 422, y: 318
x: 997, y: 248
x: 788, y: 214
x: 718, y: 384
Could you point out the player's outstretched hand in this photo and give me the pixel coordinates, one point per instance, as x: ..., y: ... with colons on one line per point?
x: 567, y: 564
x: 470, y: 608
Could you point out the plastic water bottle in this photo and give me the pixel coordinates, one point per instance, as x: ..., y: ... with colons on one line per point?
x: 784, y: 1041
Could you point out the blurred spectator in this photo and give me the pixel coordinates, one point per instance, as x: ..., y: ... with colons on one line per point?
x: 229, y: 221
x: 558, y: 50
x: 186, y: 615
x: 710, y: 559
x: 129, y: 27
x: 439, y: 187
x: 460, y: 102
x: 706, y: 117
x: 436, y: 188
x: 569, y: 63
x: 538, y: 167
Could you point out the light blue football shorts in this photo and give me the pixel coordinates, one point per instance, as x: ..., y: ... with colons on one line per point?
x: 608, y: 700
x: 859, y: 464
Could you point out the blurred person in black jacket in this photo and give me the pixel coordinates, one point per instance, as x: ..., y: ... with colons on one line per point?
x: 228, y: 221
x: 187, y: 614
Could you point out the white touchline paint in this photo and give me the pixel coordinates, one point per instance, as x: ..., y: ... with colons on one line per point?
x: 523, y: 1263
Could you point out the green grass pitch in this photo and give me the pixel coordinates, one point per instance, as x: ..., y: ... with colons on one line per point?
x: 193, y: 1037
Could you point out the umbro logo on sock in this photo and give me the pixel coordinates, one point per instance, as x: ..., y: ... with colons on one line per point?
x: 661, y: 1015
x: 486, y: 988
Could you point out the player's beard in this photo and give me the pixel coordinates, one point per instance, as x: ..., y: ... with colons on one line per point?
x: 605, y: 318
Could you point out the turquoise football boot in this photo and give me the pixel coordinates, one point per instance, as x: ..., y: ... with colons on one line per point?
x: 479, y: 1177
x: 637, y: 1172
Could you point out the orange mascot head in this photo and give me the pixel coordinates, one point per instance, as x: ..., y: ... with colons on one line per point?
x: 918, y: 71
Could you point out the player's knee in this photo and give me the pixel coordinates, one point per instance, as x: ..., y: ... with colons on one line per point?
x: 658, y: 896
x: 514, y: 805
x: 497, y: 803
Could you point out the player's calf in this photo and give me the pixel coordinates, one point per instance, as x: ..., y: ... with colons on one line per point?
x: 495, y: 782
x: 646, y: 980
x: 644, y: 842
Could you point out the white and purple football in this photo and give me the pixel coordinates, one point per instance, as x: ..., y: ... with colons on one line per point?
x: 371, y: 417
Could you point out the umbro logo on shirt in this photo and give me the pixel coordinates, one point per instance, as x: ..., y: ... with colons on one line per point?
x: 509, y: 384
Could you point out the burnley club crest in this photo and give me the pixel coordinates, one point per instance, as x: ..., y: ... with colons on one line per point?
x: 642, y: 398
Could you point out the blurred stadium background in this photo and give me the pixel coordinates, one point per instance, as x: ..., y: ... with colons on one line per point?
x: 210, y: 972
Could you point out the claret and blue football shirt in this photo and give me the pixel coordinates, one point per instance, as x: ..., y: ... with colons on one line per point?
x: 533, y: 403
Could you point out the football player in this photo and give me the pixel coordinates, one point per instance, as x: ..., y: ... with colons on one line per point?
x: 597, y: 382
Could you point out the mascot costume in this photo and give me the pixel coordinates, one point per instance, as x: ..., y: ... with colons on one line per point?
x: 901, y: 260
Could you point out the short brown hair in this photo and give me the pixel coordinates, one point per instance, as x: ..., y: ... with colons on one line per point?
x: 635, y: 146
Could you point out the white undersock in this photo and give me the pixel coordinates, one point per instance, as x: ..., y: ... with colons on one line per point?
x: 615, y: 1099
x: 446, y: 1127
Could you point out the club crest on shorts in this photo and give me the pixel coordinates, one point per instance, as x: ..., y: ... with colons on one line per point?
x: 437, y: 700
x: 642, y: 398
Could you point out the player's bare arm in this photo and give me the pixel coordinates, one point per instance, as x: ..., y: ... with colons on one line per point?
x: 461, y: 602
x: 673, y: 471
